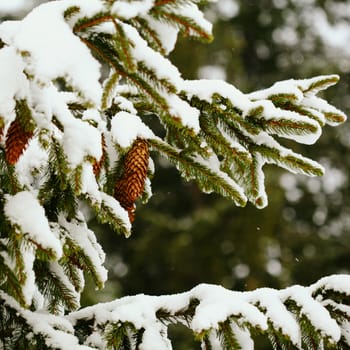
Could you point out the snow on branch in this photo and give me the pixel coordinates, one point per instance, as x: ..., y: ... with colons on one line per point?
x: 289, y: 317
x: 80, y: 85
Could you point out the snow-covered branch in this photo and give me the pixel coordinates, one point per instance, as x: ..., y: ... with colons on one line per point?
x: 78, y: 82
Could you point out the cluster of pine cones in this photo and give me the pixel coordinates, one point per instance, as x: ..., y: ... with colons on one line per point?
x: 127, y: 189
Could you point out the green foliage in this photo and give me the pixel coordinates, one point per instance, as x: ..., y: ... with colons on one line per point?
x: 213, y: 133
x: 244, y: 317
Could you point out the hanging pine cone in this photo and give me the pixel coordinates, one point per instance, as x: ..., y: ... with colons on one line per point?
x: 16, y: 141
x: 131, y: 185
x: 98, y: 164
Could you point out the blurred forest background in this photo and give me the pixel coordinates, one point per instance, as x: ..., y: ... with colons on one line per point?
x: 182, y: 237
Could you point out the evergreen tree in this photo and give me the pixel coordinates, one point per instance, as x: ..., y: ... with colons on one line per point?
x: 81, y: 83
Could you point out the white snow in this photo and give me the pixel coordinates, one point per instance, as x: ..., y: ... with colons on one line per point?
x: 89, y: 184
x: 29, y: 286
x: 313, y: 310
x: 43, y: 46
x: 125, y: 104
x: 339, y: 283
x: 181, y: 110
x: 243, y: 337
x: 32, y: 160
x: 271, y: 112
x: 140, y: 51
x: 13, y: 82
x: 57, y: 331
x: 52, y: 44
x: 277, y: 313
x: 218, y: 303
x: 319, y: 104
x: 288, y: 87
x: 205, y: 89
x: 21, y: 209
x: 191, y: 11
x: 117, y: 210
x: 80, y: 139
x: 167, y: 34
x: 126, y: 128
x: 127, y: 10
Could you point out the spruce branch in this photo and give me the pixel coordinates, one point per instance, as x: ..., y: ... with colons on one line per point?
x: 192, y: 169
x: 148, y: 34
x: 58, y: 293
x: 227, y: 336
x: 187, y: 25
x: 108, y: 88
x: 87, y: 22
x: 215, y: 135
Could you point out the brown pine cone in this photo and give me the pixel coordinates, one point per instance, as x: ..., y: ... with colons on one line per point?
x: 17, y: 140
x: 131, y: 185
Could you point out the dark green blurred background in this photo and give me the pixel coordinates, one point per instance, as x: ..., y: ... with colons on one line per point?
x: 182, y: 237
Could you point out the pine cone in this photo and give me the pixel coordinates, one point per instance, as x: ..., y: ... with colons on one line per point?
x: 131, y: 185
x: 16, y: 141
x: 98, y: 164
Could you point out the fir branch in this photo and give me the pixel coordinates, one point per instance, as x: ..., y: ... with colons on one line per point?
x: 123, y: 46
x: 35, y: 330
x: 190, y: 169
x: 9, y: 281
x: 24, y: 116
x: 148, y: 34
x: 289, y: 160
x: 187, y: 25
x: 15, y: 244
x: 223, y: 148
x: 293, y: 105
x: 254, y: 182
x: 317, y: 84
x: 206, y: 342
x: 183, y: 138
x: 334, y: 118
x: 284, y: 126
x: 106, y: 215
x: 58, y: 163
x: 57, y: 193
x: 14, y: 329
x: 117, y: 335
x: 9, y: 182
x: 108, y: 55
x: 108, y: 87
x: 54, y: 289
x: 70, y: 12
x: 152, y: 78
x: 279, y: 340
x: 73, y: 269
x: 75, y: 255
x: 183, y: 315
x: 228, y: 339
x: 87, y: 22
